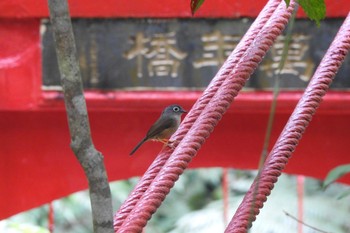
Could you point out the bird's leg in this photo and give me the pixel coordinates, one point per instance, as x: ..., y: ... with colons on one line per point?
x: 170, y: 144
x: 167, y: 142
x: 163, y: 140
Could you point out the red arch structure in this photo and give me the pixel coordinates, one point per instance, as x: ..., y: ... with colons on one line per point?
x: 33, y: 123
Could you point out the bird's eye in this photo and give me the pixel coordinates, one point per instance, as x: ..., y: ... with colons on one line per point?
x: 176, y: 109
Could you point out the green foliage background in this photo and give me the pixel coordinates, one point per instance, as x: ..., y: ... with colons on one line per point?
x: 195, y: 205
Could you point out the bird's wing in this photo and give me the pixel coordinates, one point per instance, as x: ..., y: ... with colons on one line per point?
x: 160, y: 125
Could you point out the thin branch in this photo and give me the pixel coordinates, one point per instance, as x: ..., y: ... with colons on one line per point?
x: 81, y: 143
x: 271, y: 119
x: 305, y: 224
x: 276, y: 87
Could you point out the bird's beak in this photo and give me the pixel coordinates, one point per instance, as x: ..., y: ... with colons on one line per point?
x: 184, y: 111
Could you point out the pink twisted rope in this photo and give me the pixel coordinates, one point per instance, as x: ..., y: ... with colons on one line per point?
x: 292, y: 133
x: 161, y: 176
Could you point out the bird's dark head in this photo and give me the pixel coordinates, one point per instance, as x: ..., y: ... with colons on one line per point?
x: 174, y: 109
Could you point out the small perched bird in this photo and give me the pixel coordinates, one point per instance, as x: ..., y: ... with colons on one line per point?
x: 164, y: 127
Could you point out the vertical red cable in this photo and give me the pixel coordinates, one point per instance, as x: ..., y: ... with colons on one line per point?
x: 225, y: 193
x: 51, y: 217
x: 300, y: 193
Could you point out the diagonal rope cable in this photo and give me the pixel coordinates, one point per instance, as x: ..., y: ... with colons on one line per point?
x: 204, y: 124
x: 292, y: 132
x: 197, y: 109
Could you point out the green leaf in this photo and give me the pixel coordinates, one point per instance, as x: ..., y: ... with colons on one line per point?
x: 287, y: 2
x: 335, y: 174
x: 314, y: 9
x: 195, y: 4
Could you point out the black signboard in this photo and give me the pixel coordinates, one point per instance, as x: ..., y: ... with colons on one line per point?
x: 167, y: 54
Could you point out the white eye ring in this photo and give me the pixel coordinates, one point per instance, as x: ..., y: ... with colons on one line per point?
x: 176, y: 109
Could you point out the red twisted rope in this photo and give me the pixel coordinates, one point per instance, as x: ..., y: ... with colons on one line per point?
x: 292, y: 133
x: 200, y: 122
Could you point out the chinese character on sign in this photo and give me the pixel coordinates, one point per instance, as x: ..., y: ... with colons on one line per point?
x: 217, y: 47
x: 297, y: 62
x: 138, y: 51
x: 163, y: 58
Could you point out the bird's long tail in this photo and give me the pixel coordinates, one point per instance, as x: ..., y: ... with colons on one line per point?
x: 138, y: 146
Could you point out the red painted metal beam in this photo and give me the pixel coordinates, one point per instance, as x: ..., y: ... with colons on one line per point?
x: 20, y: 64
x: 151, y: 8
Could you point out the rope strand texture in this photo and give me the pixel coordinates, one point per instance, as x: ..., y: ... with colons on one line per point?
x: 201, y: 120
x: 292, y: 133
